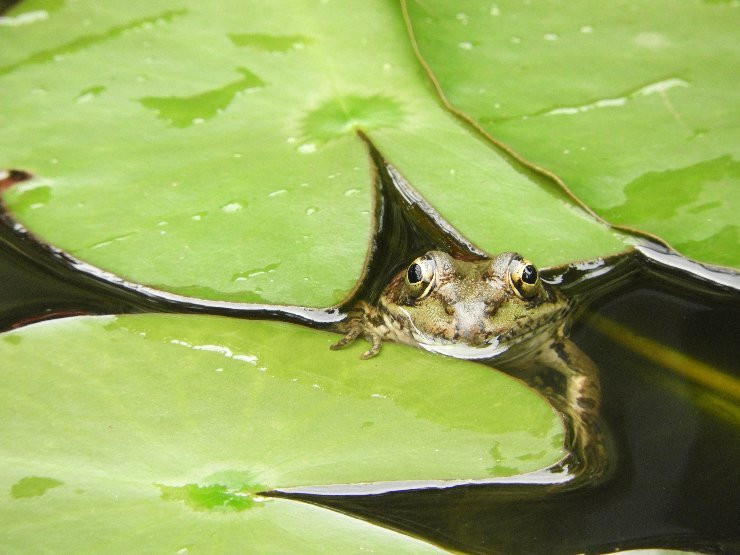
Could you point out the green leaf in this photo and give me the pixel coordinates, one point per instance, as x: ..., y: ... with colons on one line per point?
x: 635, y: 109
x: 162, y: 430
x: 209, y: 149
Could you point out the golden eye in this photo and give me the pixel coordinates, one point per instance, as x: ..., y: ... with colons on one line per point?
x: 420, y: 277
x: 524, y: 277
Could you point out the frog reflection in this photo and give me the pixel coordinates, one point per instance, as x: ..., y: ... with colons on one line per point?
x: 482, y: 309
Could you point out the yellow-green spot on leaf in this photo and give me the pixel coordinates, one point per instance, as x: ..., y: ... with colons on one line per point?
x: 500, y: 470
x: 89, y: 93
x: 184, y: 111
x: 215, y: 497
x: 499, y: 455
x: 338, y: 116
x: 270, y: 43
x: 693, y: 189
x: 704, y: 194
x: 33, y: 486
x: 12, y: 339
x: 529, y: 456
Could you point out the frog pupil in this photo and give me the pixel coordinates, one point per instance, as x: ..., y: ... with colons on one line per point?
x: 414, y: 273
x: 529, y: 274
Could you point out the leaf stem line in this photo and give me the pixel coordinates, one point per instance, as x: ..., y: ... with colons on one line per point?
x: 477, y: 126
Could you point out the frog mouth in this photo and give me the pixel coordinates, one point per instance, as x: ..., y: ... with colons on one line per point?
x: 526, y: 330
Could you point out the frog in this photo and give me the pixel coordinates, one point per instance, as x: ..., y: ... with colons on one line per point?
x: 492, y: 309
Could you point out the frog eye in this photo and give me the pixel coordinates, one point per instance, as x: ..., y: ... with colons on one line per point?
x: 524, y: 277
x: 420, y: 277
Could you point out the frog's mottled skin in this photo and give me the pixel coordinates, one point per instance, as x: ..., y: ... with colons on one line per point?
x: 480, y: 310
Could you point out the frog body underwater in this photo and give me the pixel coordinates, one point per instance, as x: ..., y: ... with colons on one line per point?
x: 495, y: 308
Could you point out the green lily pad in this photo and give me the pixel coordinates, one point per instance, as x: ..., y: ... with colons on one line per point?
x: 162, y: 430
x: 636, y: 110
x: 209, y: 149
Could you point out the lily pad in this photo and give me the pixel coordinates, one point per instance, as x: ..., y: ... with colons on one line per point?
x: 636, y: 110
x: 209, y: 149
x: 163, y: 430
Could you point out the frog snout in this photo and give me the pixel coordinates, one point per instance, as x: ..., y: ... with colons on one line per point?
x: 470, y: 322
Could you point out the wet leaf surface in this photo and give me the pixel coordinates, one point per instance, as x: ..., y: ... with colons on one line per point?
x: 635, y: 110
x: 162, y: 430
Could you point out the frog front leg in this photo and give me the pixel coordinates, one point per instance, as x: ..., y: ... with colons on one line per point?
x: 362, y: 320
x: 582, y: 394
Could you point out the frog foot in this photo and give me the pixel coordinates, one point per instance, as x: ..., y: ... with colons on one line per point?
x: 354, y: 333
x: 355, y: 326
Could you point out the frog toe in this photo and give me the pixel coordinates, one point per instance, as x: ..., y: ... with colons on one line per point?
x: 349, y: 337
x: 375, y: 343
